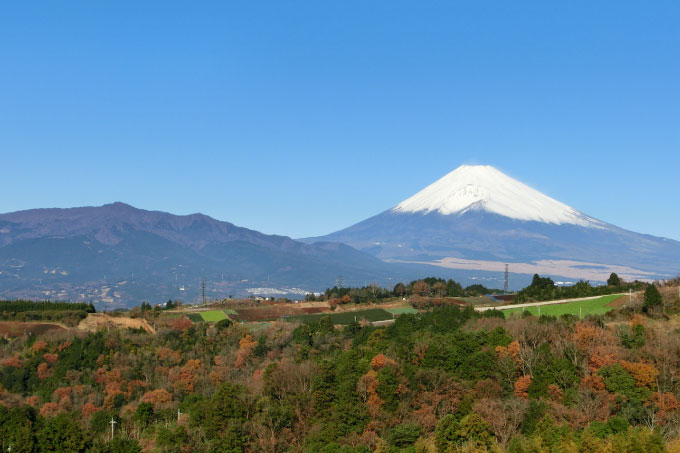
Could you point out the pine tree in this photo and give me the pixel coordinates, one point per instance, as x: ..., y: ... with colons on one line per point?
x: 652, y: 297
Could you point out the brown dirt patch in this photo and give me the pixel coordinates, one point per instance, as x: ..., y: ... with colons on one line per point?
x: 266, y: 313
x: 618, y: 303
x: 96, y: 321
x: 505, y: 297
x: 16, y: 329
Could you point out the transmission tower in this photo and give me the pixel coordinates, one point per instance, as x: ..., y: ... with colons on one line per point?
x: 202, y: 291
x: 339, y: 282
x: 505, y: 287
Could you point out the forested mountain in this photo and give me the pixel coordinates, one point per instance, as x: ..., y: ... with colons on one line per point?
x: 120, y: 254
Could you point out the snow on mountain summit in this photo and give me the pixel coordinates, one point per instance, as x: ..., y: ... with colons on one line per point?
x: 484, y: 188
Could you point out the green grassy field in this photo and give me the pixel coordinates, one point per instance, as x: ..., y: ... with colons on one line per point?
x: 195, y: 317
x: 583, y: 308
x: 213, y: 315
x: 402, y: 310
x: 373, y: 314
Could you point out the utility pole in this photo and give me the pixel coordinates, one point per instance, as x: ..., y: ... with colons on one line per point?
x: 113, y: 423
x: 505, y: 287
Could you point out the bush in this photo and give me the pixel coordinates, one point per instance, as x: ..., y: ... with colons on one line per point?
x: 222, y: 324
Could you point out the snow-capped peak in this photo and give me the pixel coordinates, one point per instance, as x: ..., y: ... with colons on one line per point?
x: 484, y: 188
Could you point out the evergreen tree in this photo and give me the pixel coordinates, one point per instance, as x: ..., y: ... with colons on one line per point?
x: 652, y: 297
x: 613, y: 280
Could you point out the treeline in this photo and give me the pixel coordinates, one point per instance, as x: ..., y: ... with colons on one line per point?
x: 27, y: 305
x: 540, y: 289
x: 426, y: 287
x: 544, y: 288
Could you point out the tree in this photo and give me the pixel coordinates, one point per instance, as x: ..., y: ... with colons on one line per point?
x: 454, y: 289
x: 613, y: 280
x: 421, y: 288
x: 62, y: 433
x: 445, y: 433
x: 439, y: 289
x: 405, y: 434
x: 144, y: 413
x: 504, y: 416
x: 652, y: 297
x: 226, y: 408
x: 475, y: 430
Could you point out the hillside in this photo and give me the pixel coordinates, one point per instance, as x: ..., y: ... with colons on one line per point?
x: 445, y: 379
x: 118, y: 254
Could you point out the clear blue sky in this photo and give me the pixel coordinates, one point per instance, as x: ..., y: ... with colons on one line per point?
x: 301, y: 118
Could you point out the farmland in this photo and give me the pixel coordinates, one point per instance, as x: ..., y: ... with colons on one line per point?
x: 207, y: 316
x: 402, y: 310
x: 306, y: 313
x: 371, y: 315
x: 582, y: 308
x: 213, y: 315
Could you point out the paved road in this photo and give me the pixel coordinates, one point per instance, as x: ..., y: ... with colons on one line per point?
x: 538, y: 304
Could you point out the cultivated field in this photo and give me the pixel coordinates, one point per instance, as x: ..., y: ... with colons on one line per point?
x: 371, y: 315
x: 303, y: 312
x: 598, y: 306
x: 213, y: 315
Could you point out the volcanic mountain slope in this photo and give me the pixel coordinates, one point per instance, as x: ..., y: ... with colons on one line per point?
x: 476, y: 217
x: 119, y: 254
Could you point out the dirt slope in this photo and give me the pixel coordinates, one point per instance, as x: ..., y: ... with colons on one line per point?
x: 96, y: 321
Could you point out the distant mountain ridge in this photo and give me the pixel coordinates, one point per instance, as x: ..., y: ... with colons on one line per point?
x: 117, y: 253
x: 477, y: 217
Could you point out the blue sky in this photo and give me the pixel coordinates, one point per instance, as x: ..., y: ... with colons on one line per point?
x: 301, y: 118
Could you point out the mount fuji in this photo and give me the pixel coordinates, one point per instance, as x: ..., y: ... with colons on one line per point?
x: 478, y: 218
